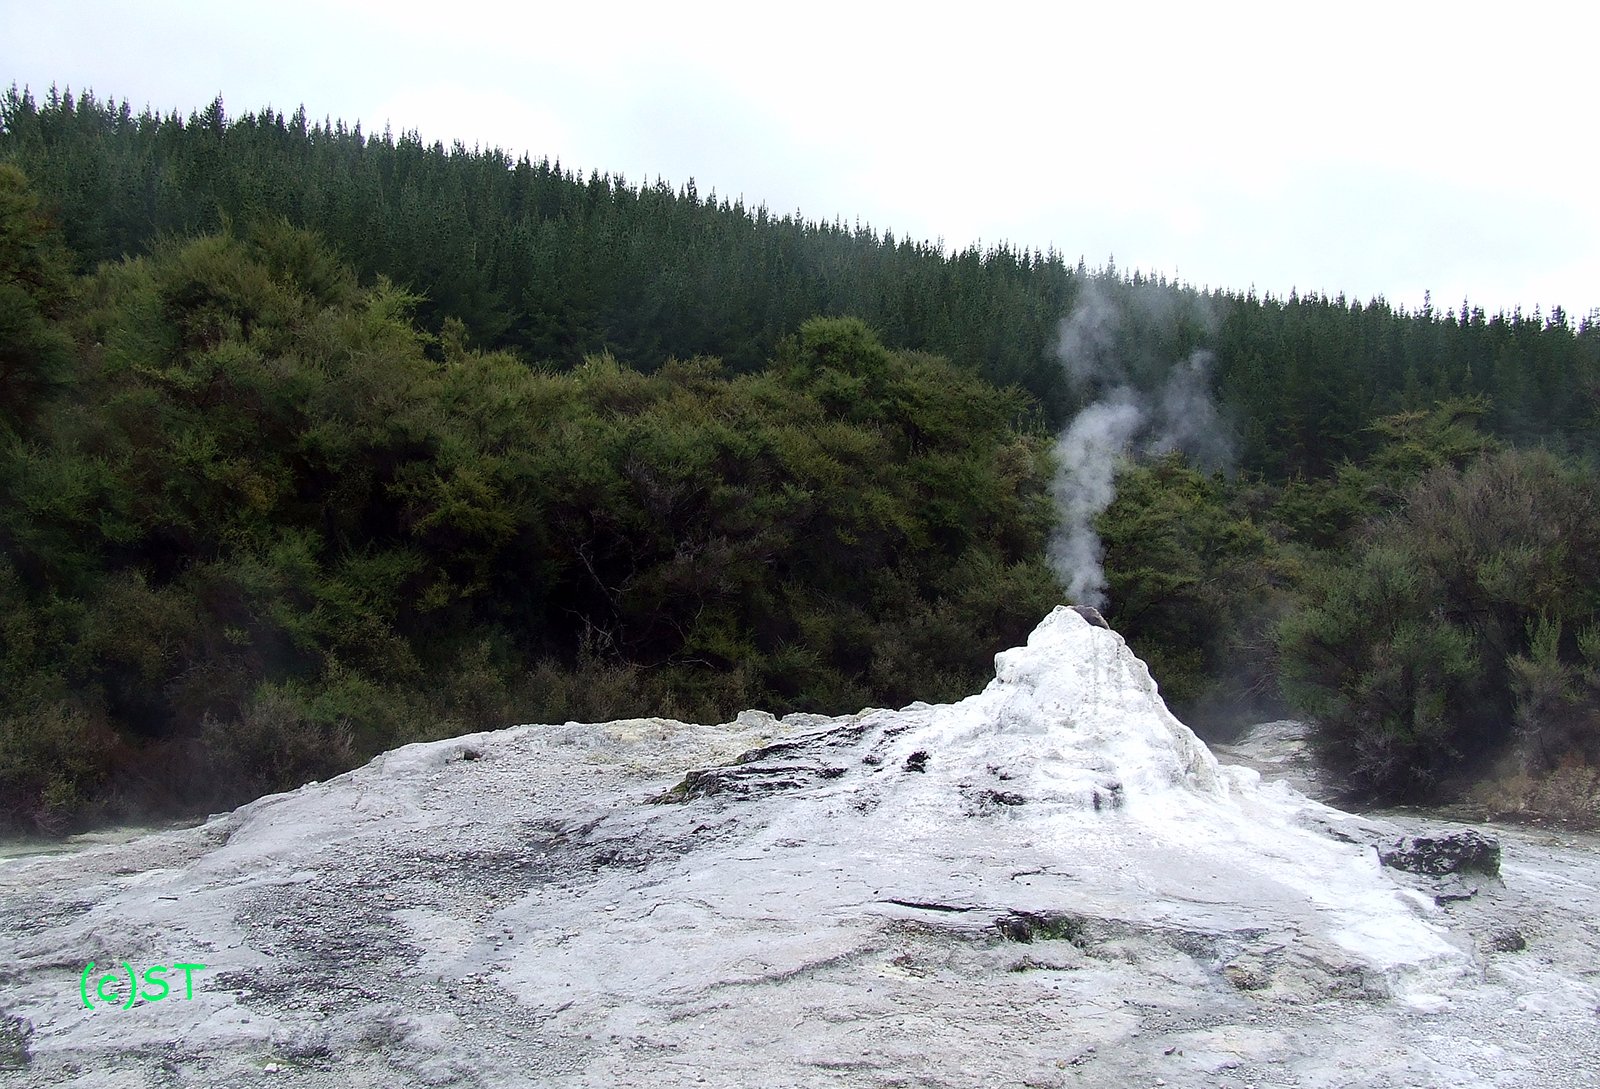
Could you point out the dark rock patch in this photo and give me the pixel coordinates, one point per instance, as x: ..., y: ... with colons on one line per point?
x: 1110, y: 798
x: 1507, y: 940
x: 1248, y: 972
x: 15, y: 1032
x: 742, y: 782
x: 1464, y: 851
x: 1092, y: 615
x: 1029, y: 926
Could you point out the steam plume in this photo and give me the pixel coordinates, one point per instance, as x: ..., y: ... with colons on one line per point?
x: 1136, y: 406
x: 1085, y: 485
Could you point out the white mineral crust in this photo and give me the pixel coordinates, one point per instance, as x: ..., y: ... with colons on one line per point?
x: 1052, y: 882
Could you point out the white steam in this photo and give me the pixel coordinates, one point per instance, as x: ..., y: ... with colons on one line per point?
x: 1188, y: 418
x: 1174, y: 412
x: 1085, y: 485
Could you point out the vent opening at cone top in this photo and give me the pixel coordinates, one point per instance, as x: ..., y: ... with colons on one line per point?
x: 1091, y: 614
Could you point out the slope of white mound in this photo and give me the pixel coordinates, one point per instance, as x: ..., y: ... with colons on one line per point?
x: 1049, y: 883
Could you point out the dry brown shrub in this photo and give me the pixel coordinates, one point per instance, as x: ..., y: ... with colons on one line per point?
x: 1568, y: 794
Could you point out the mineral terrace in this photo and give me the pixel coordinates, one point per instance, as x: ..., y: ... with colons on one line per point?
x: 1051, y: 883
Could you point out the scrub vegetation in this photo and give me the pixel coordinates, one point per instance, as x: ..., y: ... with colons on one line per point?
x: 313, y: 443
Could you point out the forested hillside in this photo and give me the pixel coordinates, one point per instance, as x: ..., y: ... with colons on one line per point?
x: 313, y: 443
x: 556, y: 267
x: 258, y: 525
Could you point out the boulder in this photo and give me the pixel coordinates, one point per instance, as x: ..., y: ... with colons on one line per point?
x: 1464, y: 851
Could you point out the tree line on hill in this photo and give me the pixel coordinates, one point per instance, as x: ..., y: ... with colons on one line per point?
x: 554, y: 267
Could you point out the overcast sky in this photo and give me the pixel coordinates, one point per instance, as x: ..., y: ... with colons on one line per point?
x: 1386, y: 148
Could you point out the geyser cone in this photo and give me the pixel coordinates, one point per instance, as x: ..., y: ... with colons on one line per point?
x: 1065, y: 787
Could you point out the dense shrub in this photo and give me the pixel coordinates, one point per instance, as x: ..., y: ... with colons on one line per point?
x: 1193, y: 586
x: 262, y: 527
x: 1456, y: 627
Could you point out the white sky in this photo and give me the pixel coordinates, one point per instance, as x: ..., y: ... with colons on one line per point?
x: 1371, y: 148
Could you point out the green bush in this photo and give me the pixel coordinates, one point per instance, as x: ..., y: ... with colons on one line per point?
x: 266, y: 528
x: 1448, y: 633
x: 1193, y: 582
x: 58, y: 764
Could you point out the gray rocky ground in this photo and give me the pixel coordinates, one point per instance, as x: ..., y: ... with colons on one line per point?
x: 1052, y: 883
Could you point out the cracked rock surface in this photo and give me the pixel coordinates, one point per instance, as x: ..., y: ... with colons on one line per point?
x: 1051, y: 883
